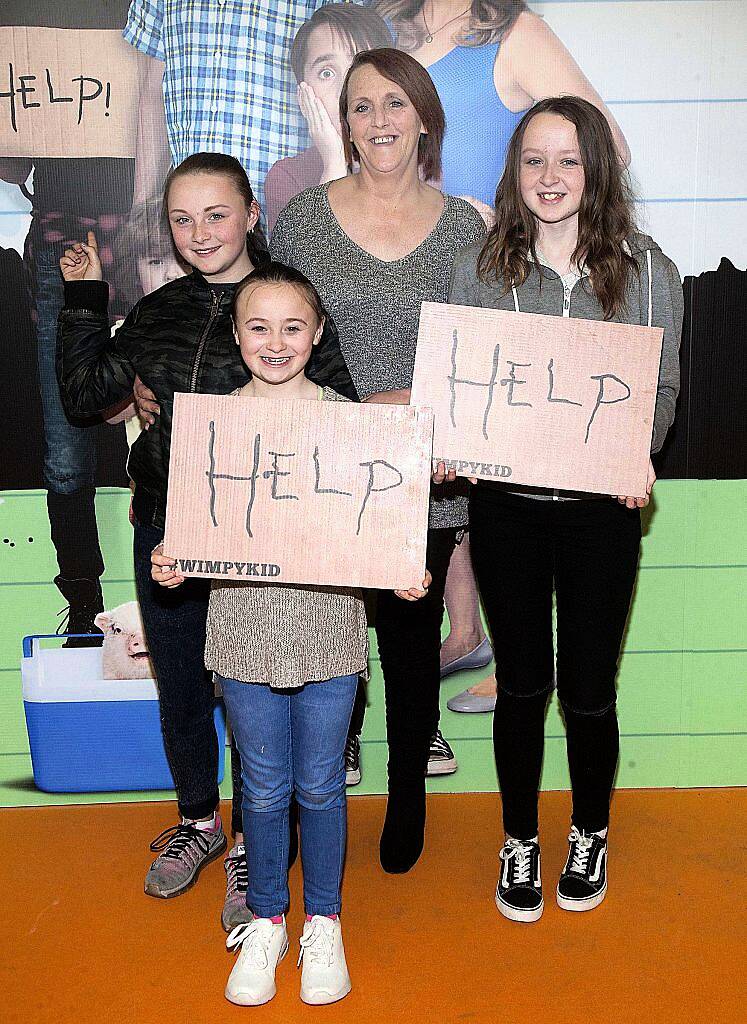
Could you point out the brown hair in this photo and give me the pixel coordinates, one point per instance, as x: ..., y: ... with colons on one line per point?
x: 489, y: 21
x: 279, y: 273
x: 416, y: 83
x: 605, y: 216
x: 358, y: 27
x: 229, y: 167
x: 145, y: 233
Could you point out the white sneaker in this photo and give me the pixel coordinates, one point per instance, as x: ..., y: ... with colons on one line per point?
x: 324, y: 978
x: 262, y: 946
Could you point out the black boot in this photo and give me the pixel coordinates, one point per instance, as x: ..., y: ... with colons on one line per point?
x: 85, y: 601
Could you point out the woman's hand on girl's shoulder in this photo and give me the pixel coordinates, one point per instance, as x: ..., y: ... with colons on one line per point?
x: 631, y: 502
x: 415, y: 593
x: 163, y: 568
x: 81, y: 261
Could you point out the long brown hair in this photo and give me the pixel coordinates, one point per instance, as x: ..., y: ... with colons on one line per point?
x: 489, y: 21
x: 605, y: 216
x: 229, y: 167
x: 416, y: 83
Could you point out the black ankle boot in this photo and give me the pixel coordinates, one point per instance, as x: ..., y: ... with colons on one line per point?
x: 404, y: 827
x: 85, y: 601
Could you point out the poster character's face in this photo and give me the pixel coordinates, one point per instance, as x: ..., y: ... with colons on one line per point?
x: 328, y: 57
x: 276, y: 329
x: 156, y: 269
x: 210, y: 221
x: 552, y: 174
x: 385, y: 127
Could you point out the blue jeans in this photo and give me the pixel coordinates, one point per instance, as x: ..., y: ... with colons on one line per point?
x: 293, y: 742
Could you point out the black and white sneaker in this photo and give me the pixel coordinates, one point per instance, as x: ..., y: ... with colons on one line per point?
x: 518, y: 894
x: 583, y: 882
x: 441, y: 759
x: 352, y: 761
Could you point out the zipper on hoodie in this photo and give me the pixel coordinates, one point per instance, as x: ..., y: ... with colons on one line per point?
x: 214, y: 307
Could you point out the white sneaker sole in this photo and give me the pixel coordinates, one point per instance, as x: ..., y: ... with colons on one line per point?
x: 514, y: 914
x: 581, y: 905
x: 445, y: 767
x: 246, y: 999
x: 323, y: 998
x: 353, y: 778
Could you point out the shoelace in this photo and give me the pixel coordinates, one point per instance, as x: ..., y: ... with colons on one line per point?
x: 521, y: 855
x: 318, y: 945
x: 582, y: 845
x: 351, y: 752
x: 253, y: 938
x: 438, y: 745
x: 63, y: 624
x: 237, y: 874
x: 175, y: 840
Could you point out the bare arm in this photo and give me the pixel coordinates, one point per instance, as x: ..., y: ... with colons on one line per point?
x: 152, y: 157
x: 533, y: 64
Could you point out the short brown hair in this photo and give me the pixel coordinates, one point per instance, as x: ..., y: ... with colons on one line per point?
x: 359, y: 27
x: 414, y: 80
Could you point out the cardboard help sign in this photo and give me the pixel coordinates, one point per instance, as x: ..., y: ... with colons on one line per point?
x: 67, y: 93
x: 298, y: 491
x: 539, y: 400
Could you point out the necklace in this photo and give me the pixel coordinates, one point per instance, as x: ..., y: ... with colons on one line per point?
x: 430, y: 34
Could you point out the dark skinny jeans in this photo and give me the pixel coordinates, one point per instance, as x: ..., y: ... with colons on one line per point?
x: 174, y: 623
x: 587, y: 552
x: 408, y: 634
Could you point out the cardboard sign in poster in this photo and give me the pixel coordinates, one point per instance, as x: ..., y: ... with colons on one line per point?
x: 67, y: 93
x: 539, y: 400
x: 298, y: 491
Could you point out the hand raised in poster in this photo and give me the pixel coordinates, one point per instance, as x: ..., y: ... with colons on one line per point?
x: 324, y: 134
x: 81, y: 261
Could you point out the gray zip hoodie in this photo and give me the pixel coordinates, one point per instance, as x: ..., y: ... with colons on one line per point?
x: 654, y: 299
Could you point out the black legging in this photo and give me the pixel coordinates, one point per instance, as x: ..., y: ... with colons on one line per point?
x: 587, y: 551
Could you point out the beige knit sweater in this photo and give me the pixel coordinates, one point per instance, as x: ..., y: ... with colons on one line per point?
x: 285, y: 634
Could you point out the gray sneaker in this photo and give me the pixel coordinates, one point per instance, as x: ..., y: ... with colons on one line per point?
x: 186, y: 850
x: 235, y: 910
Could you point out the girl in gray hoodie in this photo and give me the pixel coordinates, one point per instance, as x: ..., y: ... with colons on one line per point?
x: 563, y: 244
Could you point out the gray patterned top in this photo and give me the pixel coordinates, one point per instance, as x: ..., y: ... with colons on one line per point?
x: 375, y: 303
x: 285, y: 634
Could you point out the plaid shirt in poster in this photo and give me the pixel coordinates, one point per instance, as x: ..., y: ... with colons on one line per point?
x: 228, y: 84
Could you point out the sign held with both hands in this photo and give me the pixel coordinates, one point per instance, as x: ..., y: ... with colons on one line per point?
x: 295, y: 491
x: 537, y: 400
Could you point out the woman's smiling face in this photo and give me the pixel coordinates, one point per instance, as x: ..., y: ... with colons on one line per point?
x: 385, y: 127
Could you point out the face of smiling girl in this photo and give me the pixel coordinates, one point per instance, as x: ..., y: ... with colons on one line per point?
x: 328, y: 57
x: 552, y: 174
x: 210, y: 221
x: 276, y: 329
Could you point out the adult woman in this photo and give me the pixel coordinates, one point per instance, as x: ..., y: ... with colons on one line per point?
x: 489, y: 60
x: 563, y: 244
x: 376, y: 244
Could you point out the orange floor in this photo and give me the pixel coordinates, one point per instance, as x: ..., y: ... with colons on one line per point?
x: 84, y: 945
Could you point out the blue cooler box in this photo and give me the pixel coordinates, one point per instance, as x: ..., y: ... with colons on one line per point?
x: 89, y: 734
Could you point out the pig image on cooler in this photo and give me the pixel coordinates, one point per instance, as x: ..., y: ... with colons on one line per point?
x: 124, y: 653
